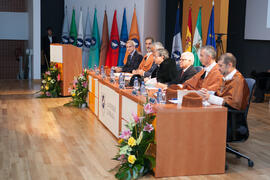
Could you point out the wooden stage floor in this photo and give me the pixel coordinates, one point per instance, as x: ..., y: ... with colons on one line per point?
x: 42, y: 139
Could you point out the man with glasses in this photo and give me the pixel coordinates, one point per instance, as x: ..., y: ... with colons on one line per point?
x: 186, y: 72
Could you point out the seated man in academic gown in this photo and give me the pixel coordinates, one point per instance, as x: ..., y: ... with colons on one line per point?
x: 147, y: 60
x: 134, y: 58
x: 210, y: 77
x: 234, y: 92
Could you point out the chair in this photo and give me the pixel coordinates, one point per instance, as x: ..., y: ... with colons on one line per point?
x: 198, y: 68
x: 239, y: 128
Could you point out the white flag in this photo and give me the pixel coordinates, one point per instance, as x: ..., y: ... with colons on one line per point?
x: 65, y: 30
x: 87, y: 41
x: 80, y: 32
x: 177, y: 41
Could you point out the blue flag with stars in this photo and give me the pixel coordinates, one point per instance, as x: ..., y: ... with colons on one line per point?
x: 123, y: 40
x: 211, y: 40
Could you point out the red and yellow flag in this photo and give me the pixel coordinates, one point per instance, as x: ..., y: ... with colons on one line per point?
x: 189, y: 32
x: 134, y: 34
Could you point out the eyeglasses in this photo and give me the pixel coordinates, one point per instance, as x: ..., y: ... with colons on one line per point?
x: 183, y: 59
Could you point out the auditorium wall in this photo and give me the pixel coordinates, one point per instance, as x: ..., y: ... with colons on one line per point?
x: 9, y: 66
x: 150, y: 15
x: 250, y: 54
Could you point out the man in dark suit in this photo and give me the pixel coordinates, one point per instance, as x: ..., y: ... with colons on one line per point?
x: 187, y: 69
x: 134, y: 58
x: 47, y: 40
x: 166, y: 68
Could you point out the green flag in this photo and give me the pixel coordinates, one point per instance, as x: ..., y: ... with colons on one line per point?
x: 73, y: 30
x: 95, y: 44
x: 197, y: 40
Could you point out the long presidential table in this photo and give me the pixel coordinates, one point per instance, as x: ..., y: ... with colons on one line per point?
x: 189, y: 141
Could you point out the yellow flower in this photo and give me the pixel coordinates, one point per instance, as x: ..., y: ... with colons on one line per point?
x: 49, y: 78
x: 73, y: 94
x: 120, y: 141
x: 131, y: 142
x: 131, y: 159
x: 47, y: 88
x: 42, y: 87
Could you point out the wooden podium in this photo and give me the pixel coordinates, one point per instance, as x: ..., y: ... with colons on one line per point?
x: 69, y: 60
x: 190, y: 141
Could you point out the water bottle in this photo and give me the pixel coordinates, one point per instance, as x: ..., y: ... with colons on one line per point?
x: 142, y: 89
x: 112, y: 77
x: 136, y: 85
x: 159, y: 96
x: 121, y: 81
x: 102, y: 72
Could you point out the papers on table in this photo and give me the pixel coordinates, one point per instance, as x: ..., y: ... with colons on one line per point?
x: 181, y: 93
x: 127, y: 75
x: 151, y: 88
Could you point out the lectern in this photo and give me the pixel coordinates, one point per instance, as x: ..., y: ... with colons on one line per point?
x: 69, y: 60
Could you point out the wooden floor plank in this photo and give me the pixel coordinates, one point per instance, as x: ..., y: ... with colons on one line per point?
x: 42, y: 139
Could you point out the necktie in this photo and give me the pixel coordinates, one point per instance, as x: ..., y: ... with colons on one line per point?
x: 182, y: 73
x: 203, y: 75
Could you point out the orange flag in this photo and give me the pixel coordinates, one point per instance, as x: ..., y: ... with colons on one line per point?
x: 134, y: 34
x: 105, y: 41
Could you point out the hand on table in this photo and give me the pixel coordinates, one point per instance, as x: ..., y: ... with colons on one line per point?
x: 140, y: 72
x: 161, y: 85
x: 146, y: 79
x: 204, y: 93
x: 118, y: 69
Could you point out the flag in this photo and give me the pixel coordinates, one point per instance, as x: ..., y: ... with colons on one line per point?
x: 113, y: 52
x: 87, y: 38
x: 134, y: 34
x: 105, y: 41
x: 197, y: 40
x: 65, y: 30
x: 177, y: 43
x: 87, y: 41
x: 80, y: 32
x: 73, y: 30
x: 189, y: 32
x: 95, y: 44
x: 211, y: 40
x: 123, y: 40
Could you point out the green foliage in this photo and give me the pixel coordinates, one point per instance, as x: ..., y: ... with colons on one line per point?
x: 50, y: 86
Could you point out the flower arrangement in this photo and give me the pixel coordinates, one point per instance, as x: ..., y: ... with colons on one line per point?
x: 134, y: 143
x: 79, y: 90
x: 50, y: 86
